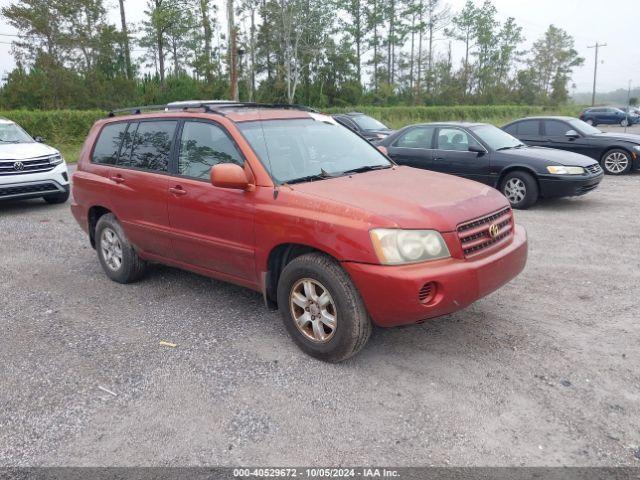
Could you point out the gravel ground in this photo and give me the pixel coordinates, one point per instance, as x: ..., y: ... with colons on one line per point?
x: 542, y: 372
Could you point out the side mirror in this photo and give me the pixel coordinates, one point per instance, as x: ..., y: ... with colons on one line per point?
x: 477, y: 149
x: 383, y: 149
x: 229, y: 175
x: 39, y: 139
x: 572, y: 134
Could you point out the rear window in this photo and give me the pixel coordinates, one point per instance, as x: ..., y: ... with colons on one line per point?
x: 108, y: 144
x: 150, y: 146
x: 529, y: 127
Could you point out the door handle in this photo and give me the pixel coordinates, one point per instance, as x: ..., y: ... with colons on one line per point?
x: 178, y: 190
x: 438, y: 158
x: 117, y: 178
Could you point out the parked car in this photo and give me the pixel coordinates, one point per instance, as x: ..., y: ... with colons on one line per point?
x: 292, y: 205
x: 28, y: 168
x: 486, y: 154
x: 633, y: 113
x: 366, y: 126
x: 607, y: 116
x: 617, y: 152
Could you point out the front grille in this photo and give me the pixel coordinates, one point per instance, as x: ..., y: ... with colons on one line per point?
x: 27, y: 189
x: 595, y: 168
x: 476, y: 235
x: 29, y: 165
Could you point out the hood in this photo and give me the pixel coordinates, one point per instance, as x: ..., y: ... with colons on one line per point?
x: 411, y: 198
x: 22, y: 151
x: 625, y: 137
x: 548, y: 156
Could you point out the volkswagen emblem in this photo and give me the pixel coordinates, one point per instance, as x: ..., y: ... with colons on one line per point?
x: 18, y: 166
x: 494, y: 230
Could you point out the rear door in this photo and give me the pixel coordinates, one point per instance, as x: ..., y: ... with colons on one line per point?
x: 414, y: 147
x: 529, y: 132
x: 452, y: 155
x: 212, y: 227
x: 141, y: 184
x: 555, y: 134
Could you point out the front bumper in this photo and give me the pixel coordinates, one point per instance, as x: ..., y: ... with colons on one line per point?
x: 391, y: 293
x: 31, y: 185
x: 568, y: 185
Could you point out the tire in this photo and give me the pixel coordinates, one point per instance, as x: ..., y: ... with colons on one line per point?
x: 351, y: 323
x: 520, y: 188
x: 57, y: 197
x: 111, y: 238
x: 624, y: 122
x: 616, y: 162
x: 591, y: 122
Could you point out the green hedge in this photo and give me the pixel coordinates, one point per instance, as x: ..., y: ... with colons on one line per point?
x: 72, y: 126
x: 397, y: 117
x: 56, y: 126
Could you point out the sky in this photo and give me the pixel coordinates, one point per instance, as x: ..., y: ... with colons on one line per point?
x: 616, y: 23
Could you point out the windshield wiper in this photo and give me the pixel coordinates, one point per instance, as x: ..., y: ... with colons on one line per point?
x: 366, y: 168
x: 509, y: 148
x: 323, y: 175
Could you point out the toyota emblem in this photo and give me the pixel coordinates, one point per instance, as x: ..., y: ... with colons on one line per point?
x: 18, y: 166
x: 494, y: 230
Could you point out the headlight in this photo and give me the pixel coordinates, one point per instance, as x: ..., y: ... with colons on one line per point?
x: 636, y: 148
x: 395, y: 247
x: 562, y: 170
x: 56, y: 159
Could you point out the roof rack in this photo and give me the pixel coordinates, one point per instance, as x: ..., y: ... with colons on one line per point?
x: 209, y: 106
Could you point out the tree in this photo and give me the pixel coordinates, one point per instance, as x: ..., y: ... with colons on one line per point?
x: 553, y: 58
x: 464, y: 25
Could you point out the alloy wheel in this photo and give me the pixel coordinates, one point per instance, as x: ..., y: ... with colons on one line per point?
x: 616, y: 162
x: 515, y: 190
x: 313, y: 309
x: 111, y: 249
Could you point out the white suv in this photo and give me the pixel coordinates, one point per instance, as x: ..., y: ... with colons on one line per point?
x: 30, y: 169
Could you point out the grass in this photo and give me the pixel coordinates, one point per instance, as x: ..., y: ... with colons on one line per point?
x: 69, y: 151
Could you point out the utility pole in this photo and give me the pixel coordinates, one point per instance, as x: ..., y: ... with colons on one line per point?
x: 233, y: 53
x: 595, y: 70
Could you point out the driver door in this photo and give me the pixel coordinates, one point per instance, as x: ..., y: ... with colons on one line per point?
x: 555, y: 135
x: 452, y: 155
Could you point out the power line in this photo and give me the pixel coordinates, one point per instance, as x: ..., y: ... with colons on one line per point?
x: 595, y: 70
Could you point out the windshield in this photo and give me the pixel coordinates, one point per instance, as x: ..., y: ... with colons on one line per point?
x: 584, y: 127
x: 12, y: 133
x: 300, y: 148
x: 495, y: 138
x: 368, y: 123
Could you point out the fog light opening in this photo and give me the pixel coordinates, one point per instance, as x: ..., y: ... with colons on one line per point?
x: 428, y: 293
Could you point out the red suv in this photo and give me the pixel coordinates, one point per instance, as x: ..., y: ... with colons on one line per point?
x: 289, y: 203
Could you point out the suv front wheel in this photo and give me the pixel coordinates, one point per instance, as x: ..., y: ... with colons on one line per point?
x: 322, y: 309
x: 117, y: 256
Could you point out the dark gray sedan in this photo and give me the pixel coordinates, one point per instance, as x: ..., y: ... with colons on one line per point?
x: 484, y: 153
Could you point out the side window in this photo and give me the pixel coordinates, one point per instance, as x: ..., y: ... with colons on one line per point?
x: 455, y: 139
x: 554, y: 128
x: 418, y: 137
x: 203, y: 145
x: 150, y: 146
x: 529, y: 127
x: 108, y: 144
x: 512, y: 129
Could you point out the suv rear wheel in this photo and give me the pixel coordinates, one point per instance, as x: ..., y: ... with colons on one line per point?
x: 520, y: 188
x: 322, y: 309
x: 117, y: 256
